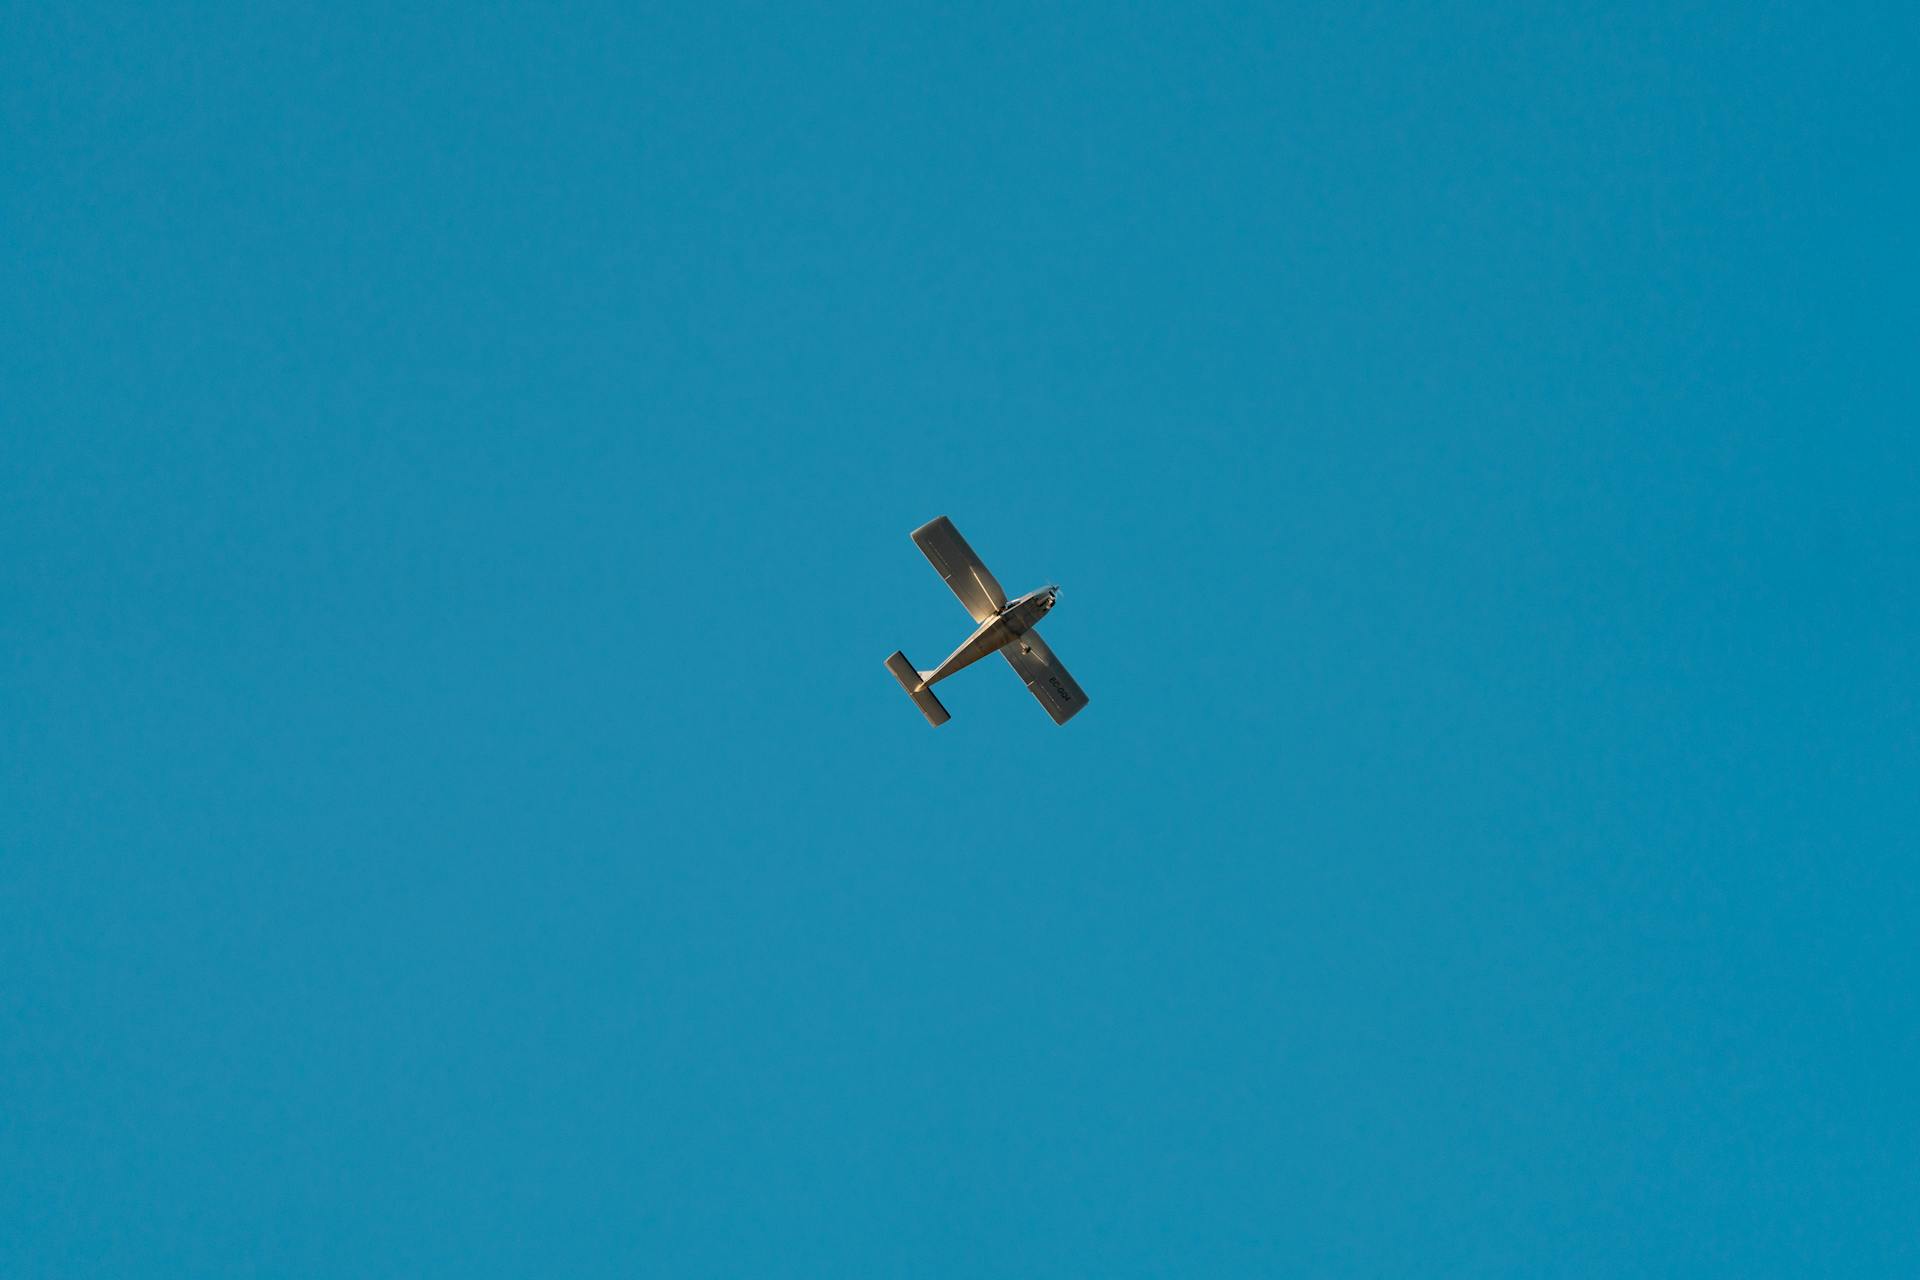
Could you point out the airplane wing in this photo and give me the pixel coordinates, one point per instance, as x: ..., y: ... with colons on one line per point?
x: 942, y: 544
x: 1046, y: 679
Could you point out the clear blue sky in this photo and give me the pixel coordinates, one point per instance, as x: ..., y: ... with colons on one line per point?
x: 457, y: 473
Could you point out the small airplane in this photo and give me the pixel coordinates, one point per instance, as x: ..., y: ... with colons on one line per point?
x: 1005, y: 626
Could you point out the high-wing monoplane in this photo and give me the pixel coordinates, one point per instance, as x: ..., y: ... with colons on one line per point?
x: 1007, y: 626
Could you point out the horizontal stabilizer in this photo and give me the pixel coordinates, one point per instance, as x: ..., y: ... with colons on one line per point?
x: 909, y: 679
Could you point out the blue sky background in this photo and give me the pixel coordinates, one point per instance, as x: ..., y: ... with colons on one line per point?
x: 454, y: 496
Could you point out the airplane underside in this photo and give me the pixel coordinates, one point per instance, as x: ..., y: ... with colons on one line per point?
x: 1004, y: 627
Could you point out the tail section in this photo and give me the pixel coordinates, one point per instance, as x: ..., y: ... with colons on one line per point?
x: 910, y: 681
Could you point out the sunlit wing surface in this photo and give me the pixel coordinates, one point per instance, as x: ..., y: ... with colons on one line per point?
x: 1046, y: 679
x: 942, y: 544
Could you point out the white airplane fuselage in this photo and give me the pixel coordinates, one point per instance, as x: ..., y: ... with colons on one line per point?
x: 995, y: 633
